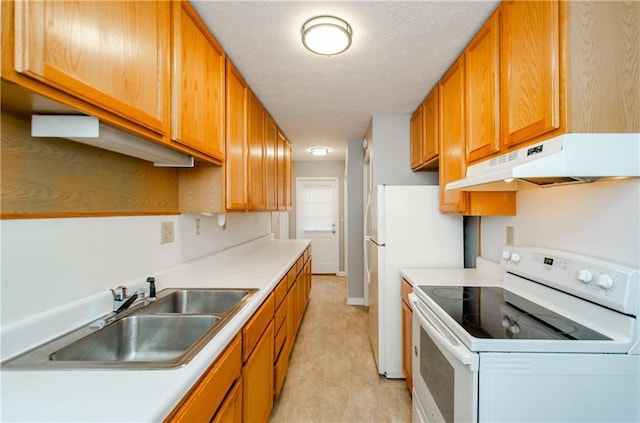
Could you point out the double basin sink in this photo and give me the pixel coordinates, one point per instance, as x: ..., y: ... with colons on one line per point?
x: 164, y: 333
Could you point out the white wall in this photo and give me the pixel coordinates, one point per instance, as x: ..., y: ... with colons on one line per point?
x: 601, y: 219
x: 354, y: 187
x: 390, y: 155
x: 50, y: 262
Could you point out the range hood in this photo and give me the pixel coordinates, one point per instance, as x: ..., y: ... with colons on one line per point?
x: 567, y: 159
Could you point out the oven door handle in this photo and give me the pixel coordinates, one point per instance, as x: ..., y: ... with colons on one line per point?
x: 448, y: 341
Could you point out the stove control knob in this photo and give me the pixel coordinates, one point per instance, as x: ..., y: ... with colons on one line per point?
x: 506, y: 323
x: 515, y: 257
x: 506, y: 255
x: 605, y: 282
x: 514, y: 328
x: 585, y: 276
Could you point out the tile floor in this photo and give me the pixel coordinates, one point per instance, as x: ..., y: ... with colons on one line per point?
x: 332, y: 376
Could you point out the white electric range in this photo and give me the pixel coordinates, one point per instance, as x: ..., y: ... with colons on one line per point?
x: 556, y: 340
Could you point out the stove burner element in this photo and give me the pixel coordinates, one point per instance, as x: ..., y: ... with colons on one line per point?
x: 452, y: 293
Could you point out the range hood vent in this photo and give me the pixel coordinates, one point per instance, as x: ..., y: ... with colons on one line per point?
x: 89, y: 130
x: 567, y: 159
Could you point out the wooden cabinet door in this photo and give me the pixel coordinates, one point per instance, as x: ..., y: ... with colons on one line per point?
x: 529, y: 64
x: 256, y: 160
x: 111, y: 54
x: 288, y: 195
x: 430, y: 127
x: 231, y: 409
x: 270, y: 144
x: 257, y: 377
x: 198, y: 84
x: 407, y: 346
x: 482, y: 96
x: 280, y: 170
x: 236, y: 154
x: 452, y: 137
x: 416, y: 137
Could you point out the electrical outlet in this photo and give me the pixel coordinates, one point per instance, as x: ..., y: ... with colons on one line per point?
x: 509, y: 235
x: 166, y: 232
x: 196, y: 226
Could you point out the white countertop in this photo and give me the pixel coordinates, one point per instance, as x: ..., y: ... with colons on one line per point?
x: 486, y: 273
x: 140, y: 395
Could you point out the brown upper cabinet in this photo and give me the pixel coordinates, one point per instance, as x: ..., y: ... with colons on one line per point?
x: 236, y: 154
x: 288, y: 194
x: 452, y: 157
x: 256, y: 161
x: 107, y: 59
x: 482, y: 92
x: 280, y: 170
x: 424, y: 134
x: 271, y: 171
x: 198, y: 84
x: 530, y: 60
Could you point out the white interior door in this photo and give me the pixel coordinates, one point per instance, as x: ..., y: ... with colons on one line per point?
x: 317, y: 220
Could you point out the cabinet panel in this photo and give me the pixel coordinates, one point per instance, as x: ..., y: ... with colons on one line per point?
x: 198, y: 119
x: 430, y: 127
x: 111, y: 54
x: 452, y: 137
x: 257, y: 376
x: 271, y: 186
x: 530, y: 60
x: 407, y: 349
x: 483, y: 92
x: 231, y: 409
x: 236, y: 152
x: 256, y: 161
x: 255, y: 327
x: 416, y: 137
x: 280, y: 171
x: 205, y: 398
x: 288, y: 194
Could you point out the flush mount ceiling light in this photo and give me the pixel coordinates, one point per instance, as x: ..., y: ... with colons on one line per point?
x: 319, y: 151
x: 326, y: 35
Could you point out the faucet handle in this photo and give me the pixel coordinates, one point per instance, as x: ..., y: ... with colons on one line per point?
x: 119, y: 293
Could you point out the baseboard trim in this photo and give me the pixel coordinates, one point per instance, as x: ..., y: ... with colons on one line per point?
x: 355, y: 301
x: 341, y: 273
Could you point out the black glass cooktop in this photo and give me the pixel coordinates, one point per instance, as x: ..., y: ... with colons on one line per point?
x: 493, y: 312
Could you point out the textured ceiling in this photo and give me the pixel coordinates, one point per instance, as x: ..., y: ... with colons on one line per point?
x: 399, y: 51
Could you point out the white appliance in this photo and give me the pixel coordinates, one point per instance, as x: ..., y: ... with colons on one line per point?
x: 403, y: 228
x: 566, y: 159
x: 558, y: 341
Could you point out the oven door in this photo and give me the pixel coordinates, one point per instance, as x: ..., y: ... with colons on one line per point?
x: 445, y: 371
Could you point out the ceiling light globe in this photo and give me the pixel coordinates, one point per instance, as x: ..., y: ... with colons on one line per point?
x: 326, y: 35
x: 319, y: 151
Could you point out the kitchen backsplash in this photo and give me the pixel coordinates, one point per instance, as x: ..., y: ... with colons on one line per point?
x: 600, y: 219
x: 50, y: 262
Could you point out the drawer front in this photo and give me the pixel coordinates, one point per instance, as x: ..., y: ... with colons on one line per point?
x: 280, y: 316
x: 291, y: 276
x: 406, y: 289
x: 281, y: 368
x: 254, y: 328
x: 281, y: 290
x: 207, y: 395
x: 281, y: 337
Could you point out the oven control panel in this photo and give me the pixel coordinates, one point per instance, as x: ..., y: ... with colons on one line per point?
x: 606, y: 283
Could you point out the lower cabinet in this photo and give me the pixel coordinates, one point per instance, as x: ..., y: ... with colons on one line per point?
x: 407, y: 342
x: 215, y: 390
x: 241, y: 385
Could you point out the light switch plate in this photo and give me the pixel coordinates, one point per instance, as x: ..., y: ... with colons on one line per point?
x: 167, y: 232
x: 509, y: 235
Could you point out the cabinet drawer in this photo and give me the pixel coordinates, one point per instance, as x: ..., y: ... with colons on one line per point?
x: 281, y: 368
x: 281, y: 291
x: 280, y: 316
x: 281, y: 337
x: 207, y: 395
x: 299, y: 264
x: 254, y: 328
x: 291, y: 276
x: 406, y: 289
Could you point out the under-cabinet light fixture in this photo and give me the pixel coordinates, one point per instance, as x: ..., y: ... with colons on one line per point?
x: 326, y: 35
x: 89, y: 130
x: 319, y: 151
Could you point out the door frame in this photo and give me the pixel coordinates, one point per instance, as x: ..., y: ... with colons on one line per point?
x: 336, y: 197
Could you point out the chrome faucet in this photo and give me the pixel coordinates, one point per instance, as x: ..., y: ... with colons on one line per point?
x: 121, y: 301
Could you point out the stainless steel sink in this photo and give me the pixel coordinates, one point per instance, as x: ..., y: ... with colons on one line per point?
x: 140, y: 338
x: 164, y: 333
x: 198, y: 301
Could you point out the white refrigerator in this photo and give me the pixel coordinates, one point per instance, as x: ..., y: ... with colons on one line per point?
x: 403, y: 229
